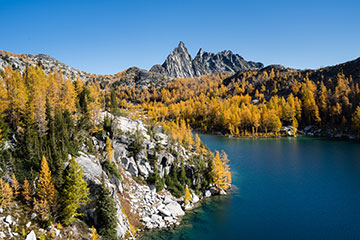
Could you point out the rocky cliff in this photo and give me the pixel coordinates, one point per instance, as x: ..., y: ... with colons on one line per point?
x: 179, y: 63
x: 139, y: 205
x: 138, y: 150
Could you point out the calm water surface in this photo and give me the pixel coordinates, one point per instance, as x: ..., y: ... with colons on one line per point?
x: 289, y: 188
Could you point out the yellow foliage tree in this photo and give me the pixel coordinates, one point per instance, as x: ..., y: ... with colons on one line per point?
x: 6, y: 194
x: 197, y: 143
x: 15, y: 184
x: 47, y: 194
x: 187, y: 198
x: 221, y: 172
x: 69, y: 96
x: 27, y: 191
x: 109, y: 149
x: 94, y: 234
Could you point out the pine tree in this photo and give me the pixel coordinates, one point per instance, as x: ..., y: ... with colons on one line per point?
x: 106, y: 214
x: 114, y: 106
x: 75, y: 193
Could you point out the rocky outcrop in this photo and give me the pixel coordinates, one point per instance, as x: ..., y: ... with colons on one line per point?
x: 179, y: 63
x: 152, y: 209
x: 221, y: 62
x: 22, y: 61
x: 133, y: 76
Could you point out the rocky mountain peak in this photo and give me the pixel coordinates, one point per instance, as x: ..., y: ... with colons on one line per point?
x: 179, y: 63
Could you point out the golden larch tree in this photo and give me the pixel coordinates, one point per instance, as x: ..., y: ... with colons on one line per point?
x: 109, y: 149
x: 221, y: 172
x: 15, y: 184
x: 45, y: 186
x: 187, y: 197
x: 27, y: 192
x: 6, y: 194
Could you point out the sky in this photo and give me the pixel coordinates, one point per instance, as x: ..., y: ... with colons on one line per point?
x: 107, y: 37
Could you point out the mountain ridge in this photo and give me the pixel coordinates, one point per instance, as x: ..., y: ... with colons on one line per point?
x: 179, y: 63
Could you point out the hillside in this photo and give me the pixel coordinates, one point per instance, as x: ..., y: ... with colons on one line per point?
x: 75, y: 162
x: 130, y: 135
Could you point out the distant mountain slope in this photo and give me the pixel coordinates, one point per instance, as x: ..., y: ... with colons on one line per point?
x: 130, y: 77
x: 350, y: 68
x: 180, y: 64
x: 21, y: 61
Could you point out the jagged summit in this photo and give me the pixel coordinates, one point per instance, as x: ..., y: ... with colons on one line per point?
x: 179, y: 63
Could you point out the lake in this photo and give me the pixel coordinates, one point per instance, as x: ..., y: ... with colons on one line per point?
x: 285, y: 188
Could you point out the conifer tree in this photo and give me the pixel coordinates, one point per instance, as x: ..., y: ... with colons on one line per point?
x: 197, y: 143
x: 94, y: 234
x: 6, y: 194
x: 356, y: 119
x: 27, y: 191
x: 106, y: 214
x: 187, y: 198
x: 114, y: 106
x: 109, y: 149
x: 46, y: 191
x: 15, y: 185
x: 221, y: 172
x: 75, y: 192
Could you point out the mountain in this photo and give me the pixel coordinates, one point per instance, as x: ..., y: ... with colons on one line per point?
x: 179, y: 63
x: 21, y: 61
x: 350, y: 68
x: 130, y: 77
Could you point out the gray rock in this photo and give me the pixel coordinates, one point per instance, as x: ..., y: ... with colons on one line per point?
x: 132, y: 167
x: 165, y: 212
x: 146, y: 219
x: 144, y: 168
x: 165, y: 162
x: 221, y: 62
x: 195, y: 198
x: 179, y: 63
x: 167, y: 199
x: 175, y: 209
x: 9, y: 219
x: 31, y: 236
x: 91, y: 166
x: 207, y: 193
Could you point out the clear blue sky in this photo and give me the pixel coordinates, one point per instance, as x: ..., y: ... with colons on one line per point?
x: 110, y: 36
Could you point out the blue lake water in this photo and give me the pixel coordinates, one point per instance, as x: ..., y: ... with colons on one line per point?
x: 288, y: 188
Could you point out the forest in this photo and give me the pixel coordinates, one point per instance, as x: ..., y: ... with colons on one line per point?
x: 254, y: 103
x: 47, y: 119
